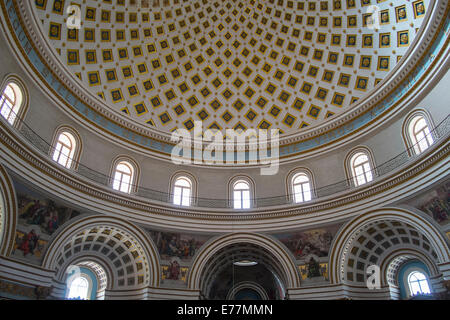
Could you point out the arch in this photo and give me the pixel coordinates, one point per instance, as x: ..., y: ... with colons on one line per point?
x: 75, y: 147
x: 393, y: 265
x: 418, y: 221
x: 22, y: 97
x: 247, y: 285
x: 191, y: 180
x: 251, y: 190
x: 87, y: 259
x: 130, y: 167
x: 292, y: 175
x: 411, y: 259
x: 122, y: 232
x: 8, y: 213
x: 355, y: 159
x: 408, y: 132
x: 280, y: 253
x: 101, y: 275
x: 396, y: 260
x: 104, y: 275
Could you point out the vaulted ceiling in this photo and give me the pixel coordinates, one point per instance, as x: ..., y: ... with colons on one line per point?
x: 232, y: 64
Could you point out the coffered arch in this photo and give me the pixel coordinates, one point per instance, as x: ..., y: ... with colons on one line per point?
x: 125, y: 250
x: 398, y: 258
x: 377, y: 236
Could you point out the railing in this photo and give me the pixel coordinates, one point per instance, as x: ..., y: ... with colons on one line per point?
x: 440, y: 132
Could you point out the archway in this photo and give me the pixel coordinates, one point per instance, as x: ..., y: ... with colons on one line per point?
x: 401, y: 259
x: 92, y: 270
x: 378, y: 238
x: 240, y: 258
x: 247, y: 290
x: 124, y: 252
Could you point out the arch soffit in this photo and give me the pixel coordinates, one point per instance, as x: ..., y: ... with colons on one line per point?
x: 58, y: 240
x: 280, y: 252
x: 415, y: 218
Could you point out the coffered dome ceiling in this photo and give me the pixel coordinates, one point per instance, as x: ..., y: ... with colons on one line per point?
x: 232, y: 64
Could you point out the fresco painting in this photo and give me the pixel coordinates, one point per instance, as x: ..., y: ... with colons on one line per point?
x: 38, y: 218
x: 183, y: 246
x: 436, y: 203
x: 174, y: 271
x: 313, y: 269
x: 315, y: 242
x: 29, y: 243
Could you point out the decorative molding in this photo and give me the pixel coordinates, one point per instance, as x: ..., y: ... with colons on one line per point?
x: 8, y: 213
x: 44, y: 167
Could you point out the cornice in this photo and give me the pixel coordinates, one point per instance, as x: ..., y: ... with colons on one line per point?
x: 331, y: 133
x: 41, y: 171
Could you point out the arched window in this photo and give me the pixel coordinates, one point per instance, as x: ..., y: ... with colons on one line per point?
x: 420, y: 134
x: 182, y: 191
x: 65, y: 149
x: 98, y: 277
x: 241, y: 195
x: 86, y: 280
x: 361, y: 170
x: 123, y: 177
x: 301, y: 187
x: 79, y: 288
x: 10, y: 102
x: 418, y: 283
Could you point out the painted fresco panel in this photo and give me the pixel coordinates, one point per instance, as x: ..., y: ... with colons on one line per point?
x: 436, y: 203
x: 315, y: 242
x: 39, y: 218
x: 182, y: 246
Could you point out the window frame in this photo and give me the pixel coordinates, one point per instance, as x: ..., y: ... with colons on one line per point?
x: 303, y: 193
x: 73, y: 278
x: 22, y: 106
x: 4, y: 99
x: 414, y: 133
x: 75, y: 153
x: 426, y: 280
x: 61, y: 146
x: 182, y: 192
x: 251, y: 192
x: 193, y: 182
x: 101, y: 274
x: 290, y: 187
x: 244, y: 195
x: 350, y: 169
x: 364, y: 166
x: 122, y: 174
x: 409, y: 136
x: 134, y: 178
